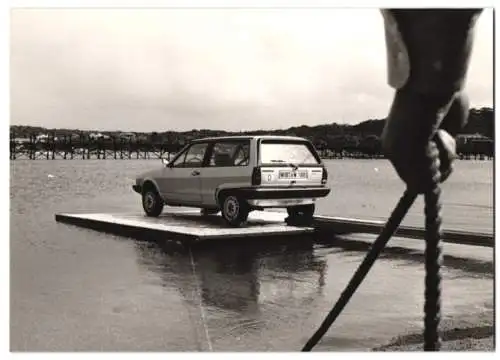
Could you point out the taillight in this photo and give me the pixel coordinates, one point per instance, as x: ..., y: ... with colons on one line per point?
x: 324, y: 177
x: 256, y: 176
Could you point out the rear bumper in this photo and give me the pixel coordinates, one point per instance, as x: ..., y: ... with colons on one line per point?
x: 279, y: 197
x: 279, y: 203
x: 137, y: 188
x: 283, y: 193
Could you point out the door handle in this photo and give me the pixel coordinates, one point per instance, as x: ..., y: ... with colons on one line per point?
x: 195, y: 173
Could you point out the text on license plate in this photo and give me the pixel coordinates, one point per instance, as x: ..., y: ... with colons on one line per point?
x: 293, y: 174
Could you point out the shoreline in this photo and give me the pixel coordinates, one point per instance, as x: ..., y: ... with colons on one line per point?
x: 157, y: 158
x: 467, y: 332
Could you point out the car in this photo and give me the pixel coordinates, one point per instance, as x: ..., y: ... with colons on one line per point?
x: 235, y: 175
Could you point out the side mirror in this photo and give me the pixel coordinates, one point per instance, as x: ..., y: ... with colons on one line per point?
x: 165, y: 162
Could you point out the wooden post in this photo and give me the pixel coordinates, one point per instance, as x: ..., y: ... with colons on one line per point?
x: 12, y: 146
x: 103, y: 149
x: 98, y: 148
x: 88, y: 147
x: 65, y: 144
x: 81, y: 147
x: 30, y: 149
x: 54, y: 145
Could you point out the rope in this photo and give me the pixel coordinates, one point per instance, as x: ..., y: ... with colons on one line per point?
x: 433, y: 260
x: 202, y: 310
x: 391, y: 226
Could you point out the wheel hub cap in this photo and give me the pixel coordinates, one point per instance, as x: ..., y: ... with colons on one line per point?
x: 232, y: 207
x: 149, y: 201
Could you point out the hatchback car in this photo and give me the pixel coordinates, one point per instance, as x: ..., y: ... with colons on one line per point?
x: 236, y: 175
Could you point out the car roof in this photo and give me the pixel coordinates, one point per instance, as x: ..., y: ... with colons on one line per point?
x: 250, y: 137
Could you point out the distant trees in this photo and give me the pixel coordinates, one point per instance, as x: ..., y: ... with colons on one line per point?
x: 362, y: 138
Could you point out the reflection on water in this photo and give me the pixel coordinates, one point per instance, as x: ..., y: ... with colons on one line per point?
x: 229, y: 281
x: 274, y: 294
x: 462, y: 264
x: 246, y: 289
x: 240, y: 277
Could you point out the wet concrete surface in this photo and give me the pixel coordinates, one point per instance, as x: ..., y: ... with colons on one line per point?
x: 75, y: 289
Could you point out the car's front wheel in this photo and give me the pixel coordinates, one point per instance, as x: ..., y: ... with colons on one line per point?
x: 152, y: 203
x: 234, y: 210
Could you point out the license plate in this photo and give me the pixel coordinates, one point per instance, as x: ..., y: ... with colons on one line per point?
x: 293, y: 174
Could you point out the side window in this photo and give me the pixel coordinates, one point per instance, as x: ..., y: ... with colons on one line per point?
x: 179, y: 162
x: 227, y: 153
x: 242, y: 156
x: 193, y: 157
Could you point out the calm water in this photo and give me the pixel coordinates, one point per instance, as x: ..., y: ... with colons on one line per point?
x: 76, y: 289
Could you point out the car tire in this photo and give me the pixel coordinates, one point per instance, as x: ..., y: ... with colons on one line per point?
x: 234, y: 210
x: 152, y: 203
x: 301, y: 212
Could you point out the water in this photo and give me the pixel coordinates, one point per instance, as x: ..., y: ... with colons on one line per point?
x: 370, y: 189
x: 75, y: 289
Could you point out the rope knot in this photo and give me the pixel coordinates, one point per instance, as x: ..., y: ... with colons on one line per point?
x: 433, y: 171
x: 423, y: 164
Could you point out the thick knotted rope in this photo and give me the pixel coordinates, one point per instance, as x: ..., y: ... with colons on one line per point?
x: 391, y: 226
x: 433, y: 260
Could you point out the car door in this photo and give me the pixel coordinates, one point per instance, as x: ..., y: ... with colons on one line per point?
x: 181, y: 180
x: 227, y: 166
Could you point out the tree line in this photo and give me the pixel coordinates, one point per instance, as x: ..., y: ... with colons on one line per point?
x: 363, y: 138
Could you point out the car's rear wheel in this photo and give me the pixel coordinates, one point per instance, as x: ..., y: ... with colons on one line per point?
x: 234, y: 210
x: 301, y: 212
x: 152, y: 203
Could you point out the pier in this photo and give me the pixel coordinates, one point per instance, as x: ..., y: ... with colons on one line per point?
x: 189, y: 226
x: 127, y: 146
x: 184, y: 226
x: 82, y: 147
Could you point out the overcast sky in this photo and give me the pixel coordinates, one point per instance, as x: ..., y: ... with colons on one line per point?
x: 166, y: 69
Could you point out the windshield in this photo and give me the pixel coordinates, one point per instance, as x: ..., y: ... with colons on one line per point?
x: 287, y: 153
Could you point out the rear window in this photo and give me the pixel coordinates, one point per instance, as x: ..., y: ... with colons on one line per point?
x: 275, y: 152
